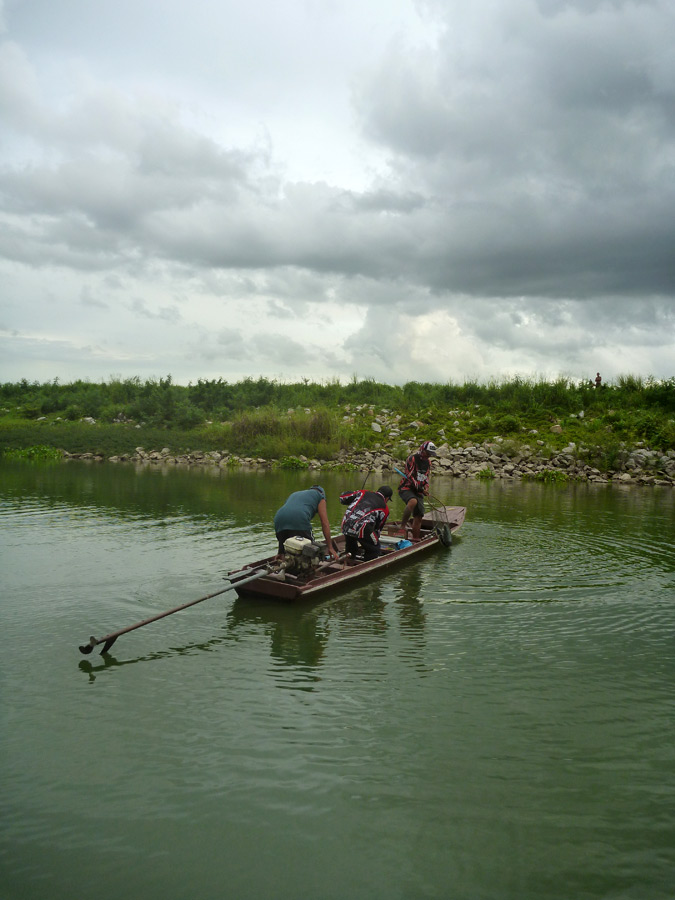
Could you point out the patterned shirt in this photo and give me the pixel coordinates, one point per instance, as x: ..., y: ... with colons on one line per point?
x: 367, y: 513
x: 416, y: 474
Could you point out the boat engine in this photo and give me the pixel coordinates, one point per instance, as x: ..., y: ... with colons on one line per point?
x: 302, y: 556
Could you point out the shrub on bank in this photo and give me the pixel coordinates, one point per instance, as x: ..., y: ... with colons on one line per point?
x: 35, y: 454
x: 549, y: 476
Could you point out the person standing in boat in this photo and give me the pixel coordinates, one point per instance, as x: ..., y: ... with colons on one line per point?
x: 364, y: 520
x: 414, y: 486
x: 294, y: 518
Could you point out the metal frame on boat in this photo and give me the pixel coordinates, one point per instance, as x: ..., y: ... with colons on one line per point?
x: 279, y: 583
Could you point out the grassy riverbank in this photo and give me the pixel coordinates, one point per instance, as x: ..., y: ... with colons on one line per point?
x: 262, y: 418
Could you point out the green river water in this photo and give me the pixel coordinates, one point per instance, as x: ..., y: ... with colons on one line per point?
x: 494, y: 721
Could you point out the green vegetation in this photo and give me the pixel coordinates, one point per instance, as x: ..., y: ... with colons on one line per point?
x: 285, y: 422
x: 37, y: 454
x: 550, y: 476
x: 292, y: 462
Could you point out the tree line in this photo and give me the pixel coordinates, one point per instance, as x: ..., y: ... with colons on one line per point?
x: 161, y: 402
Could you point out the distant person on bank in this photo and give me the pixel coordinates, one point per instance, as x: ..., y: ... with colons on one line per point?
x: 294, y: 518
x: 414, y: 486
x: 364, y: 520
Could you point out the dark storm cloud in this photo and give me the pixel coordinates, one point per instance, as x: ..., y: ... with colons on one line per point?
x: 548, y: 148
x: 509, y: 198
x: 537, y: 161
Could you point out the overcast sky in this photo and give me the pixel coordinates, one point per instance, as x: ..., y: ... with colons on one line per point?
x: 434, y: 190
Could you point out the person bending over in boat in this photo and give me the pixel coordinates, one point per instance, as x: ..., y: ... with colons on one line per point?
x: 364, y: 520
x: 414, y: 486
x: 294, y: 518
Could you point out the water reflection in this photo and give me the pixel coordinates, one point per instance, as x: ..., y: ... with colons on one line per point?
x: 211, y: 495
x: 299, y: 634
x: 364, y: 606
x: 297, y: 639
x: 391, y: 711
x: 409, y: 601
x: 102, y: 662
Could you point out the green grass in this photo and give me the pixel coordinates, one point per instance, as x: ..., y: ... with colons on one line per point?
x: 267, y: 419
x: 36, y: 454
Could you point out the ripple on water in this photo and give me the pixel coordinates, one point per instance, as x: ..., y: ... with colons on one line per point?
x: 517, y: 561
x: 530, y: 665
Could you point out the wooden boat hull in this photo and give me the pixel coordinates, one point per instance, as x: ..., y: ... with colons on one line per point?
x: 437, y: 528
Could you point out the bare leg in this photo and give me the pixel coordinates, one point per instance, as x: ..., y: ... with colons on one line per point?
x: 407, y: 512
x: 416, y: 528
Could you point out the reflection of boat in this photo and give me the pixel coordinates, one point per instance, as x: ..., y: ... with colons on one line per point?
x: 296, y: 638
x: 312, y: 574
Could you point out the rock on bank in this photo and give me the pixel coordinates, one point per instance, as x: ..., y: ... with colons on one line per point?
x: 637, y: 465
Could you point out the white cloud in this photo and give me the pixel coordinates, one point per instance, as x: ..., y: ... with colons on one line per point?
x: 431, y: 191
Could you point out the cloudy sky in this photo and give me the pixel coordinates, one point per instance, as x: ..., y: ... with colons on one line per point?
x: 393, y: 189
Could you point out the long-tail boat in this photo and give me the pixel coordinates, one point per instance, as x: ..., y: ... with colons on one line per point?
x: 306, y: 571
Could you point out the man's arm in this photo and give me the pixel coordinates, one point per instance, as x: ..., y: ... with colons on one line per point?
x: 412, y: 474
x: 325, y: 527
x: 348, y: 497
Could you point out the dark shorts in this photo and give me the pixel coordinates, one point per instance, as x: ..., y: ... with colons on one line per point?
x: 370, y: 549
x: 406, y: 496
x: 285, y: 535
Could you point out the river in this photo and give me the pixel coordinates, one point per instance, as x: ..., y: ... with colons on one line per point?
x: 493, y: 721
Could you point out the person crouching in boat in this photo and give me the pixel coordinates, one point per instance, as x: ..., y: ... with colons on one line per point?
x: 294, y: 518
x: 364, y: 520
x: 414, y: 486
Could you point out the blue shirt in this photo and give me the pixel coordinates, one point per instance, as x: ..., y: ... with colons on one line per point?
x: 297, y: 512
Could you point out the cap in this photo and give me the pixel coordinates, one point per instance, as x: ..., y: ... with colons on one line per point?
x: 386, y: 491
x: 430, y: 448
x: 317, y: 487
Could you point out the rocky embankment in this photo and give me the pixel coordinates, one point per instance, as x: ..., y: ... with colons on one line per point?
x: 636, y: 465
